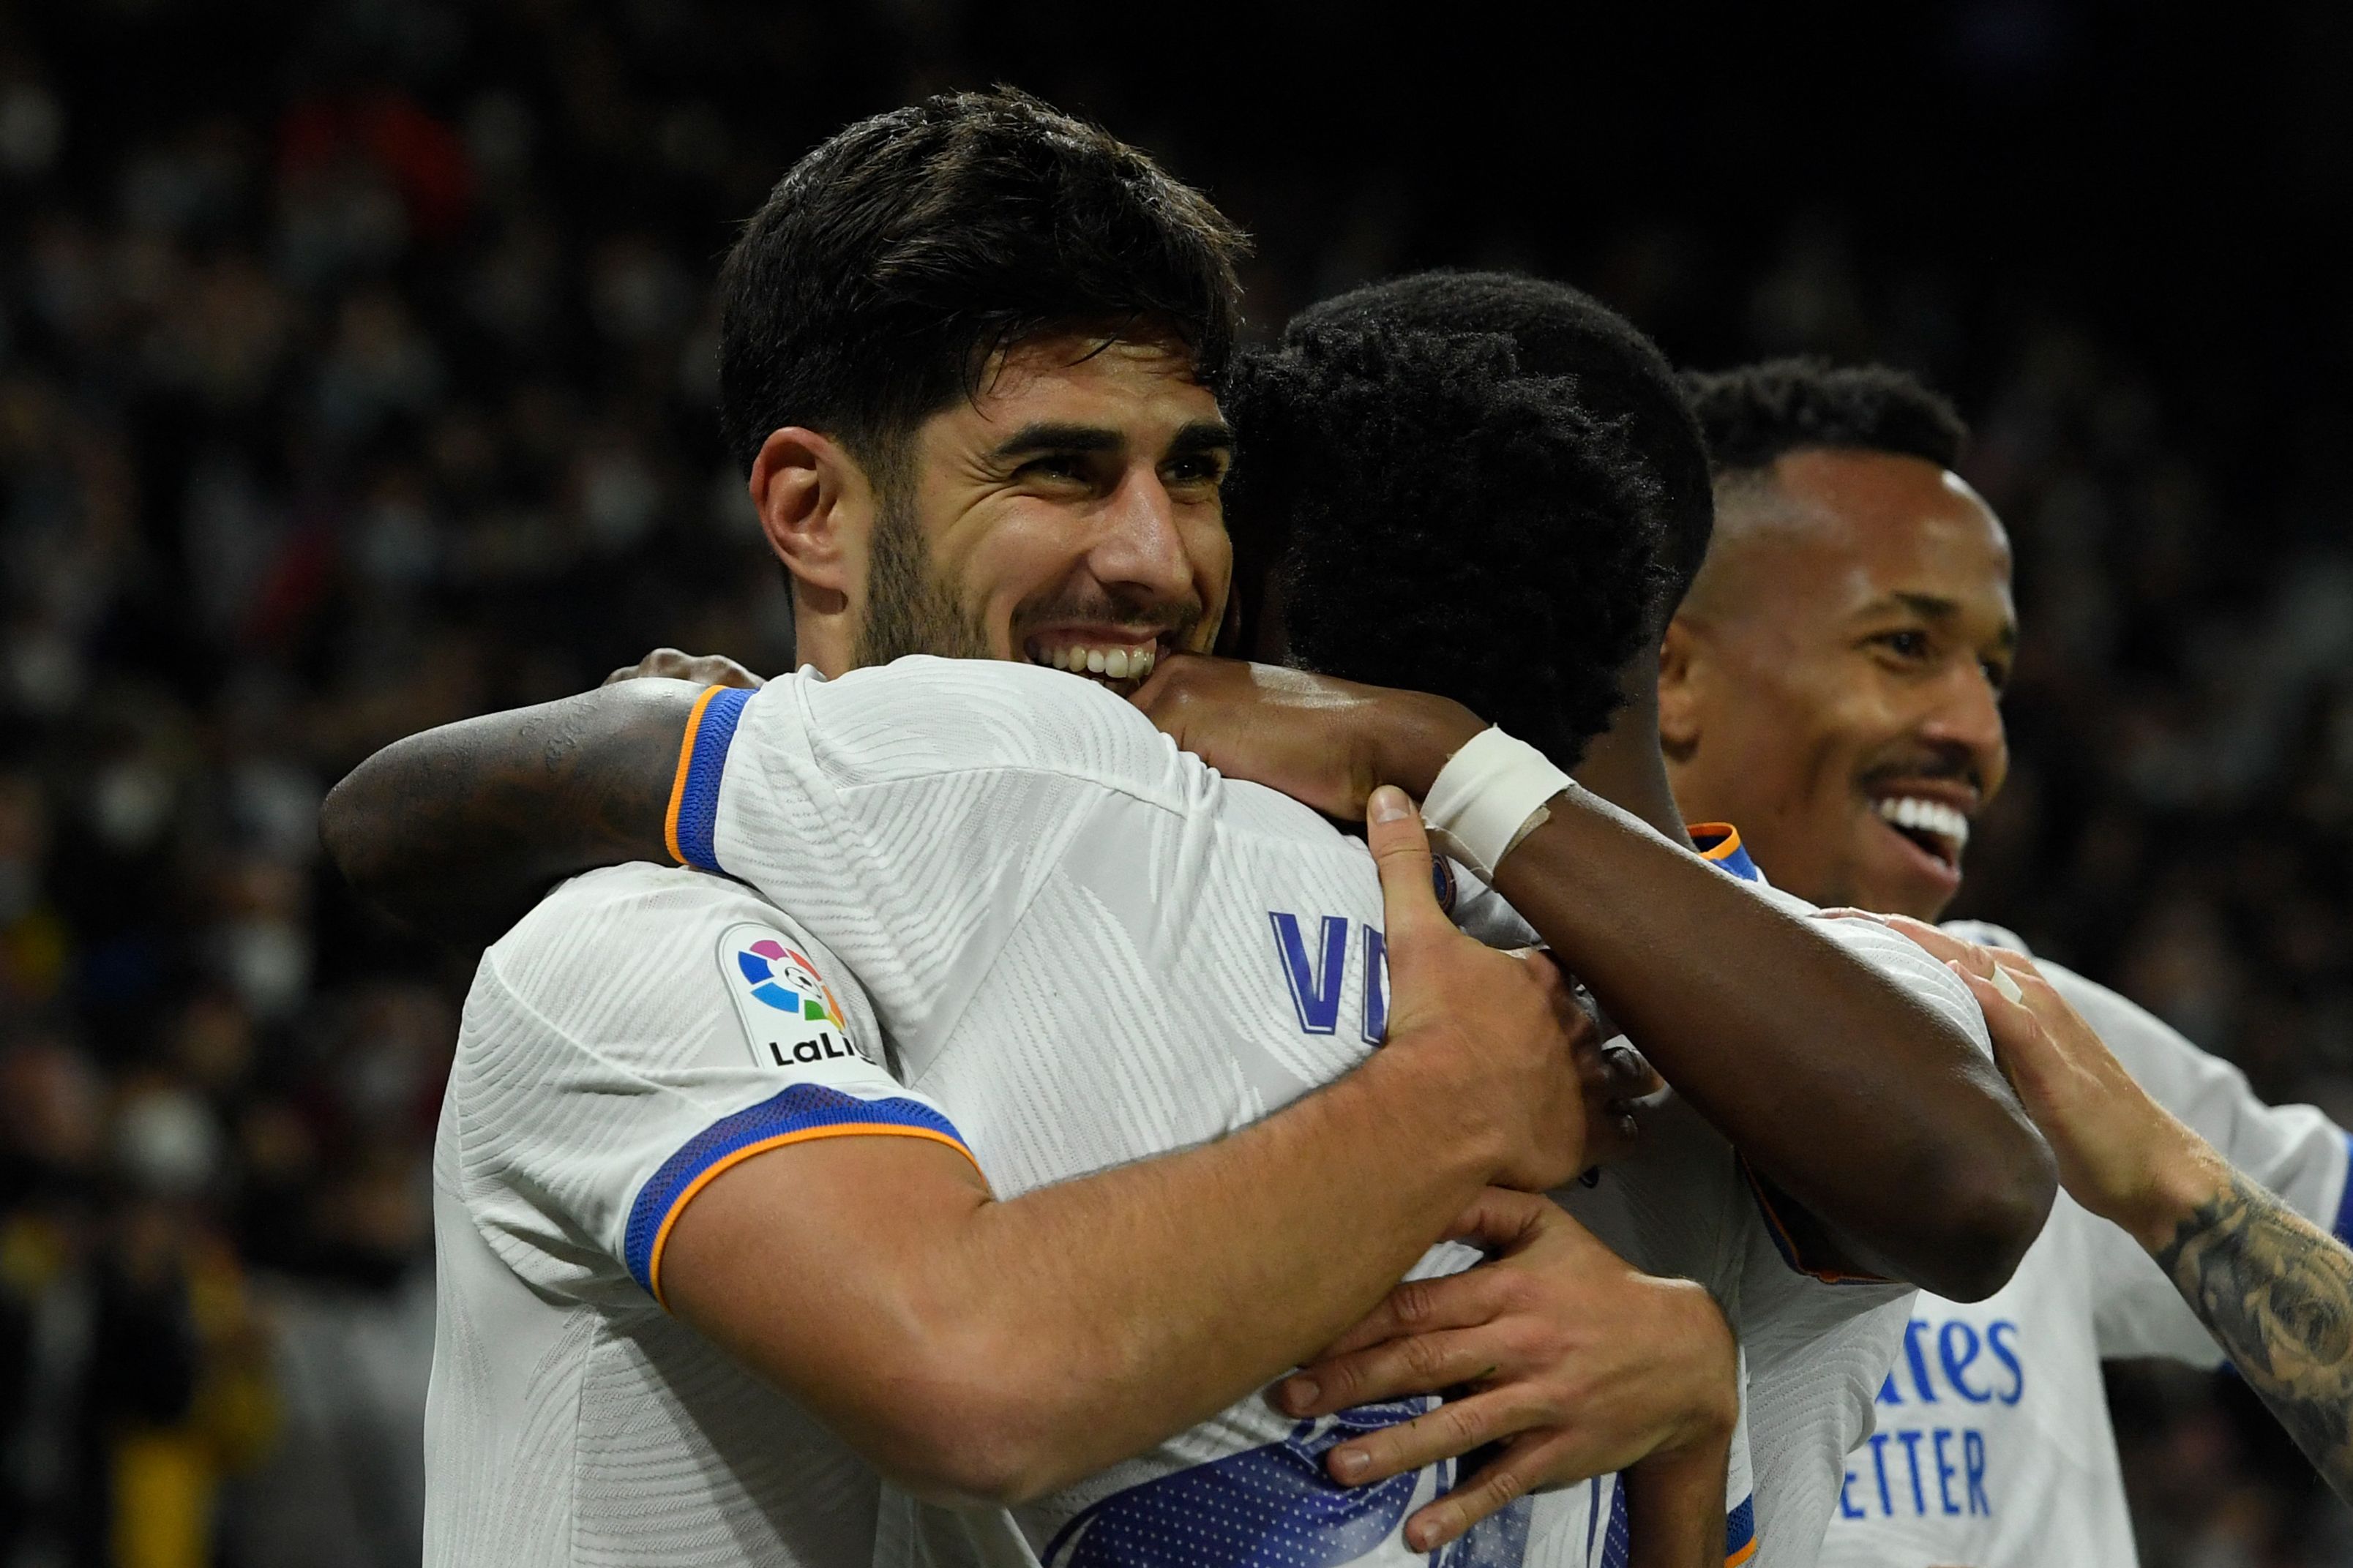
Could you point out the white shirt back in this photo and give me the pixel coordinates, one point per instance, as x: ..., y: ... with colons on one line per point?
x: 1095, y: 949
x: 640, y: 1030
x: 1013, y: 861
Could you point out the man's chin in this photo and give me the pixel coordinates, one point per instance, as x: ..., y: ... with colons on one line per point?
x: 1923, y: 890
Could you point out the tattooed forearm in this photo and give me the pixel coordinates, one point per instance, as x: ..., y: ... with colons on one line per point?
x: 2277, y: 1293
x: 460, y: 829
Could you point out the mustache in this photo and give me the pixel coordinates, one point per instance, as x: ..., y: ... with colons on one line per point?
x: 1173, y: 619
x: 1926, y: 762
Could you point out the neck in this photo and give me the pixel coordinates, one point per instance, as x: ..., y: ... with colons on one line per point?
x: 1622, y: 765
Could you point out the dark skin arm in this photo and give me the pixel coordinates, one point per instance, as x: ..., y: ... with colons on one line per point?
x: 459, y: 830
x: 1875, y: 1114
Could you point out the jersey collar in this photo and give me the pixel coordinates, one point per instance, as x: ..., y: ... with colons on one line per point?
x: 1719, y: 844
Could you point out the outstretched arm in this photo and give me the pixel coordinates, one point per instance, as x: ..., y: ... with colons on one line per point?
x: 2275, y: 1290
x: 1873, y: 1111
x: 459, y: 830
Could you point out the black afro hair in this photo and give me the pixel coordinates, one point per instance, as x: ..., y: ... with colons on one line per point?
x: 1621, y: 376
x: 1753, y: 413
x: 1441, y: 520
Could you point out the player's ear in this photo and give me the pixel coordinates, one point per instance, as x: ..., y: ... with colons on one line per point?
x: 1680, y: 655
x: 816, y: 506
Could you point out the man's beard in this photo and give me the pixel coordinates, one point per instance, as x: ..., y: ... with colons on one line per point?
x: 908, y: 608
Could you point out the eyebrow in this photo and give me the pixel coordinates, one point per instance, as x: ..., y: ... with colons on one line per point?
x: 1937, y: 609
x: 1202, y: 436
x: 1044, y: 436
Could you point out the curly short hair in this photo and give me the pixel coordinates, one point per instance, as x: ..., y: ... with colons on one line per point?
x: 1439, y: 518
x: 1755, y: 413
x: 1620, y: 376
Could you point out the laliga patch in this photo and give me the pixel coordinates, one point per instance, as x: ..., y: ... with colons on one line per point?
x: 790, y: 1016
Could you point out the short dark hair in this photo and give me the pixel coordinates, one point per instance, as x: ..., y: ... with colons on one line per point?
x: 890, y: 263
x: 1755, y: 413
x: 1621, y: 378
x: 1366, y: 448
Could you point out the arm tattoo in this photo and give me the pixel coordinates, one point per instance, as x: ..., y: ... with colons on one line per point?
x: 2277, y: 1293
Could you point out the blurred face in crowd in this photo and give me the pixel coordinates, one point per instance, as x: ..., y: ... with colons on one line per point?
x: 1067, y: 515
x: 1831, y: 686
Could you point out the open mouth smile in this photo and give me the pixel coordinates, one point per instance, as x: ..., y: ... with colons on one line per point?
x: 1937, y: 828
x: 1121, y: 662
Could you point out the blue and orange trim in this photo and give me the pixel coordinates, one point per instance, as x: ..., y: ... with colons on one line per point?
x: 1740, y: 1533
x: 801, y: 1115
x: 693, y: 815
x: 1719, y: 843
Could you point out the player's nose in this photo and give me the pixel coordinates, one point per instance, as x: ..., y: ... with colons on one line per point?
x: 1141, y: 548
x: 1966, y: 717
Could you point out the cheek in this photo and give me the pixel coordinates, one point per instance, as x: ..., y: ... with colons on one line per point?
x: 1210, y: 551
x: 1022, y: 552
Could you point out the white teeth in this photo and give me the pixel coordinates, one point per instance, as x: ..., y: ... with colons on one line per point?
x: 1927, y: 817
x: 1111, y: 663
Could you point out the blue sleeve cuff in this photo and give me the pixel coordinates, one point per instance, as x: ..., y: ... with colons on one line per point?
x: 800, y: 1114
x: 693, y: 817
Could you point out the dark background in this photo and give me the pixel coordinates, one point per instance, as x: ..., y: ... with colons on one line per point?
x: 355, y: 375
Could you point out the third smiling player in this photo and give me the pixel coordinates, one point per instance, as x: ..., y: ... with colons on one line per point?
x: 1831, y: 684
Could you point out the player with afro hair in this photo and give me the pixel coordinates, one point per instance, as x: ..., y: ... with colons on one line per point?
x: 1518, y: 508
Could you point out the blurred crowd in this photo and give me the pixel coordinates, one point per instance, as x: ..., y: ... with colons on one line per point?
x: 356, y: 374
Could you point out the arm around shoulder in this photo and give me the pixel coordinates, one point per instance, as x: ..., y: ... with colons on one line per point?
x: 460, y: 829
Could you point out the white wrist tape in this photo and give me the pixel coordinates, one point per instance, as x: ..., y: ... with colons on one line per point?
x: 1488, y: 796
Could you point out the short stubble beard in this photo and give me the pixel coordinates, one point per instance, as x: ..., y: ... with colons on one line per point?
x: 908, y: 608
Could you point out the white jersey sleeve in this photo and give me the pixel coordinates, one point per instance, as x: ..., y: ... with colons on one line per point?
x: 642, y: 1030
x: 909, y: 814
x: 2295, y: 1149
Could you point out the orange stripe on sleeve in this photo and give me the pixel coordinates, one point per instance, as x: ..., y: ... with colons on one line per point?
x: 804, y: 1135
x: 677, y: 780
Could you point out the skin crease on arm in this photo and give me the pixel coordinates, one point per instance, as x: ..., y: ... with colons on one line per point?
x: 2273, y: 1288
x: 459, y: 830
x: 976, y: 1349
x: 1875, y: 1114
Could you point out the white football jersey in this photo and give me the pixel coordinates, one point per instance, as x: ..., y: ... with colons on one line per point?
x: 1994, y: 1446
x: 1012, y: 861
x: 640, y: 1031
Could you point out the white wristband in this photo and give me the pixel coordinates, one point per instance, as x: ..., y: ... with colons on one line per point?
x: 1488, y: 796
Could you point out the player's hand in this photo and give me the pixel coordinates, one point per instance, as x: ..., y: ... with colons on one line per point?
x: 703, y: 670
x: 1560, y: 1351
x: 2121, y: 1155
x: 1499, y: 1035
x: 1322, y: 741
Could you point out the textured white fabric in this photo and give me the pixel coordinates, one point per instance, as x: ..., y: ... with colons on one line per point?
x: 1091, y: 948
x: 570, y: 1420
x: 1995, y: 1446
